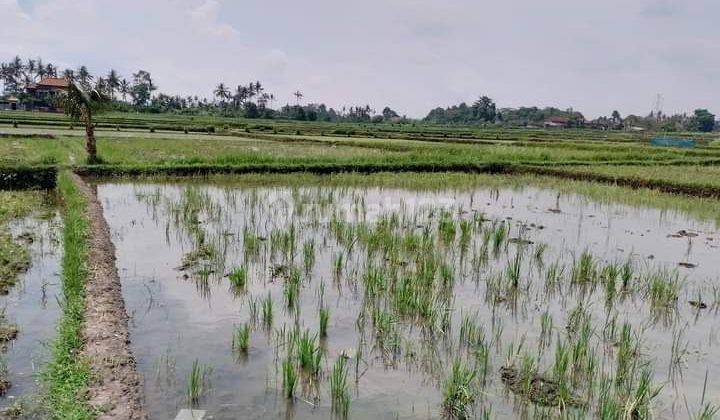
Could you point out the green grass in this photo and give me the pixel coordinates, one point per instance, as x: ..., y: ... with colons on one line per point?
x: 67, y: 375
x: 274, y: 146
x: 701, y: 176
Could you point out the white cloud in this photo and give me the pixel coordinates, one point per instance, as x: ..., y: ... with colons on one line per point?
x: 205, y: 17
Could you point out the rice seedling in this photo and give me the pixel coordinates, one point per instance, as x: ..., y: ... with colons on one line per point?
x: 626, y: 356
x: 309, y: 353
x: 324, y: 321
x: 238, y: 278
x: 546, y: 328
x: 309, y: 255
x: 585, y: 269
x: 514, y: 270
x: 267, y: 310
x: 459, y: 392
x: 554, y: 275
x: 253, y: 309
x: 626, y: 274
x: 339, y: 392
x: 446, y: 227
x: 292, y: 289
x: 499, y: 236
x: 707, y: 412
x: 251, y: 244
x: 198, y: 382
x: 338, y: 263
x: 663, y: 288
x: 539, y: 253
x: 290, y: 377
x: 678, y: 351
x: 241, y: 339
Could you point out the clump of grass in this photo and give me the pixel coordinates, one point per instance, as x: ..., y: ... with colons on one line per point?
x: 324, y: 321
x: 241, y: 339
x: 290, y: 377
x: 339, y: 392
x: 458, y: 391
x: 309, y: 255
x: 198, y: 382
x: 292, y: 288
x: 267, y: 310
x: 499, y: 236
x: 309, y: 353
x: 514, y: 270
x: 663, y: 288
x: 238, y: 278
x: 585, y: 269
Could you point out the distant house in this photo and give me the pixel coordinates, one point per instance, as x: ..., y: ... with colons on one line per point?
x: 9, y: 104
x: 556, y: 122
x: 44, y: 92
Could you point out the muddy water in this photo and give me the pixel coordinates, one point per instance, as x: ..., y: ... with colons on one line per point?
x: 32, y: 305
x: 178, y: 319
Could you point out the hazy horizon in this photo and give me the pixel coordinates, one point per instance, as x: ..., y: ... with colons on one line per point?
x: 410, y: 55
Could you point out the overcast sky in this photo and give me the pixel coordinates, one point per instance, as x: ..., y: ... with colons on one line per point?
x: 412, y: 55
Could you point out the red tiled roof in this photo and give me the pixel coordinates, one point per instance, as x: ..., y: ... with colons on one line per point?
x: 53, y: 82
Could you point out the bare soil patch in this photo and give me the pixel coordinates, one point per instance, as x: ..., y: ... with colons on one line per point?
x: 115, y: 390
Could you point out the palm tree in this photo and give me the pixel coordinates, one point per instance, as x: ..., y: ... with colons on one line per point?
x: 124, y: 88
x: 298, y: 95
x: 113, y: 82
x: 84, y: 76
x: 80, y: 105
x: 222, y: 92
x: 69, y: 74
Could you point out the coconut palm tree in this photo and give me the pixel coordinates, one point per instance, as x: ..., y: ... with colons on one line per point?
x: 80, y: 104
x: 113, y: 82
x: 124, y: 89
x: 298, y: 95
x: 84, y: 76
x: 222, y: 93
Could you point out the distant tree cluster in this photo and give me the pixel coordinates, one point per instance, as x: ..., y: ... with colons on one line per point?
x: 483, y: 110
x: 534, y: 116
x: 320, y: 112
x: 701, y: 120
x: 17, y: 75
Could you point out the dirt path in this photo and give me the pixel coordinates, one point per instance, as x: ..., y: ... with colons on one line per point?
x: 115, y: 388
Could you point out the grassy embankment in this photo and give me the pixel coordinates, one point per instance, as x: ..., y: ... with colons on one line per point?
x: 67, y: 375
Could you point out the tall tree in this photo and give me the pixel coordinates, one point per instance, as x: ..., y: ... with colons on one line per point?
x: 80, y: 104
x: 84, y: 77
x: 113, y: 82
x: 222, y: 93
x: 124, y: 89
x: 703, y: 121
x: 142, y: 88
x: 298, y: 96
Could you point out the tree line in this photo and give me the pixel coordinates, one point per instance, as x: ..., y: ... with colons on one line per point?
x: 140, y: 93
x: 484, y: 111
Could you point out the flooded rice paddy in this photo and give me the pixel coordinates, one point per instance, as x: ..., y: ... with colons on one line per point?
x: 279, y: 300
x: 30, y: 311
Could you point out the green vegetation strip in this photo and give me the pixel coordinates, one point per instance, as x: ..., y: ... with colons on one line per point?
x: 275, y: 168
x: 67, y: 375
x: 653, y: 182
